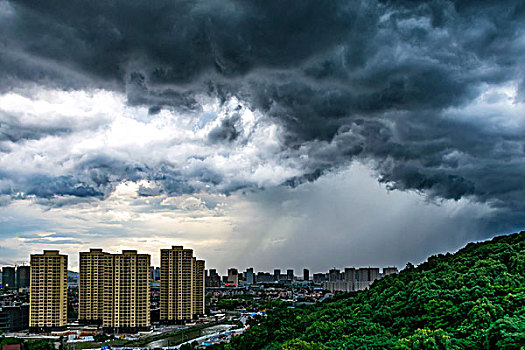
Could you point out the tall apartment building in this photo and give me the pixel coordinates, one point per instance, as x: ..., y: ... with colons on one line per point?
x: 48, y: 291
x: 199, y: 297
x: 214, y: 280
x: 289, y: 275
x: 233, y: 276
x: 114, y: 289
x: 8, y: 277
x: 181, y: 285
x: 334, y: 275
x: 276, y: 275
x: 91, y: 281
x: 352, y: 279
x: 250, y: 276
x: 349, y: 274
x: 306, y: 275
x: 22, y: 276
x: 389, y: 270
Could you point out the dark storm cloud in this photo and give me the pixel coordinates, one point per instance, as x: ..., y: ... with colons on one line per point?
x: 226, y: 131
x: 386, y: 82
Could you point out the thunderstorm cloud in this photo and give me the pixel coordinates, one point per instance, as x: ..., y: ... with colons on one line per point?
x: 186, y: 97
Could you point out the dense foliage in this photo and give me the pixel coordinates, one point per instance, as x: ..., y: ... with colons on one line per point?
x: 31, y: 344
x: 474, y: 299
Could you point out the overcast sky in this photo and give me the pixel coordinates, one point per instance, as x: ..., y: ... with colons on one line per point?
x: 261, y: 133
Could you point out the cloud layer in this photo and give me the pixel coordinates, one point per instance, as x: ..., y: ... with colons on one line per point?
x: 225, y: 95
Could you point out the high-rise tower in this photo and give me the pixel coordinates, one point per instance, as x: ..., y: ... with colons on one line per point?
x: 181, y: 285
x: 48, y: 291
x: 114, y: 289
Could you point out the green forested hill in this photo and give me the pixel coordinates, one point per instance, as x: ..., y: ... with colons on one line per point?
x: 473, y: 299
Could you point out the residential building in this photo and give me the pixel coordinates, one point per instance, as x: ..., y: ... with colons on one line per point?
x: 306, y: 275
x: 14, y: 318
x: 389, y: 271
x: 265, y: 277
x: 127, y: 292
x: 276, y: 275
x: 182, y: 279
x: 320, y: 277
x: 199, y: 301
x: 289, y: 275
x: 114, y: 289
x: 8, y: 277
x: 91, y: 285
x: 213, y: 279
x: 23, y: 274
x: 349, y: 274
x: 334, y: 275
x: 250, y: 276
x: 48, y: 291
x: 233, y: 276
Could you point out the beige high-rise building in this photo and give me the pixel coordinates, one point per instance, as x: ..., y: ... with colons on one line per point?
x: 91, y: 285
x: 181, y: 285
x: 115, y: 289
x: 199, y: 296
x: 48, y: 291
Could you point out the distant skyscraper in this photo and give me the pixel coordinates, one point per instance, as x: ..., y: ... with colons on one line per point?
x: 389, y: 271
x: 249, y: 276
x: 320, y: 277
x: 276, y: 275
x: 214, y: 280
x: 306, y: 274
x: 289, y: 275
x: 23, y: 276
x: 154, y: 273
x: 233, y: 276
x: 48, y: 291
x: 334, y: 275
x: 181, y: 285
x: 349, y: 274
x: 264, y: 277
x: 114, y: 289
x: 8, y: 277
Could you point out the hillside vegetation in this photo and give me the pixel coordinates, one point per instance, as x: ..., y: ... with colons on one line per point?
x: 473, y: 299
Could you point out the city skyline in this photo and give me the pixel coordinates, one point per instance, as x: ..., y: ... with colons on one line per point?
x: 262, y: 134
x: 298, y: 272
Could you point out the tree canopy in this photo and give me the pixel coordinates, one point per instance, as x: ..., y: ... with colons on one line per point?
x: 473, y: 299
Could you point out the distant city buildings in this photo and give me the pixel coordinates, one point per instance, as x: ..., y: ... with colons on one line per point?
x: 123, y: 292
x: 8, y: 277
x: 14, y: 317
x: 13, y: 277
x: 351, y: 279
x: 354, y: 279
x: 48, y: 291
x: 389, y: 271
x: 154, y: 273
x: 233, y: 276
x: 276, y: 275
x: 23, y: 274
x: 213, y: 279
x: 250, y: 276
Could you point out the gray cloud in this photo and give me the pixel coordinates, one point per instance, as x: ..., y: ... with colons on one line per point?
x: 407, y: 87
